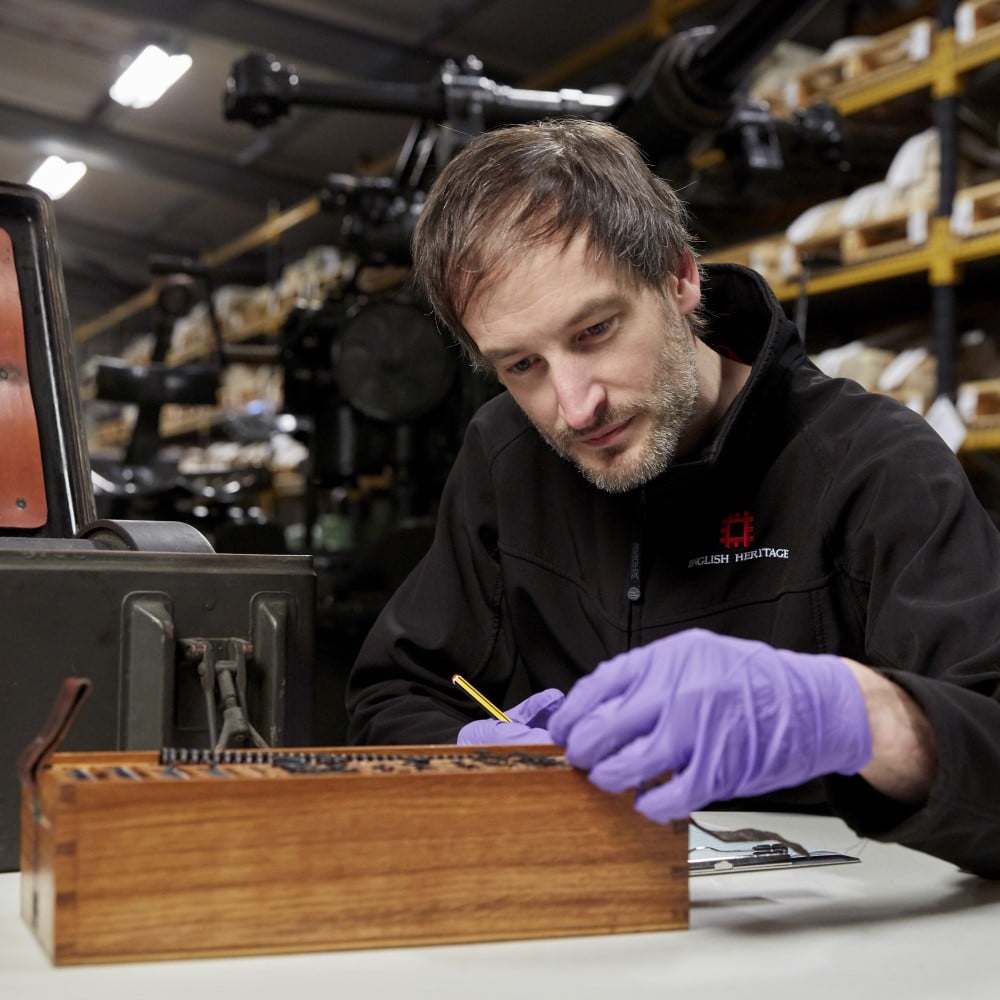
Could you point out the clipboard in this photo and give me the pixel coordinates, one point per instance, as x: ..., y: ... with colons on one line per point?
x: 708, y: 855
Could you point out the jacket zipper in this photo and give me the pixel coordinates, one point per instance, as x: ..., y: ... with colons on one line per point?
x: 633, y: 592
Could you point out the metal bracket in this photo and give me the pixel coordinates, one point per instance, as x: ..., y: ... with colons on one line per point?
x: 228, y: 677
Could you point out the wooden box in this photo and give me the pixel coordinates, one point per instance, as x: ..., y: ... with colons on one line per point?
x: 132, y: 856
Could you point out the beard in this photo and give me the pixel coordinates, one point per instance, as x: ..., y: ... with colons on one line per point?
x: 670, y: 407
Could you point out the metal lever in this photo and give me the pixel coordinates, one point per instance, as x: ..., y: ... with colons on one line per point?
x: 229, y: 676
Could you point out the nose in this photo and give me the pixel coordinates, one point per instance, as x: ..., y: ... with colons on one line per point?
x: 579, y: 395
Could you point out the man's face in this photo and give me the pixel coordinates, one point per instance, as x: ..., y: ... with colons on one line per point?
x: 606, y: 372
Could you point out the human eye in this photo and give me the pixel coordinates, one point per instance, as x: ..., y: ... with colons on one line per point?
x: 520, y: 367
x: 597, y: 329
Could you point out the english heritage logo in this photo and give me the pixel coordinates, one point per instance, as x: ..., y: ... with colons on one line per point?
x: 737, y: 531
x: 737, y: 537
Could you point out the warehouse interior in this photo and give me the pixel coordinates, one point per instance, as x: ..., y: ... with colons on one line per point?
x: 248, y: 233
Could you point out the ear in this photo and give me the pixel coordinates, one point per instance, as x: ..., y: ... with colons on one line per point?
x: 685, y: 284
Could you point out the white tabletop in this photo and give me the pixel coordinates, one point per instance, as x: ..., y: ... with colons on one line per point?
x: 899, y: 924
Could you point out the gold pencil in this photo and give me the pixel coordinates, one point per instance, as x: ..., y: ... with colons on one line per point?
x: 481, y: 699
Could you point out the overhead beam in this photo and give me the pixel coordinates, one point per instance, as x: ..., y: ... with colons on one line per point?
x: 103, y: 149
x: 112, y: 242
x: 101, y: 267
x: 289, y: 34
x: 82, y: 242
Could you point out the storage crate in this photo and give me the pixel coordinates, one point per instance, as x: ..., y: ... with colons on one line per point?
x: 976, y: 210
x: 867, y: 63
x: 884, y: 237
x: 977, y: 20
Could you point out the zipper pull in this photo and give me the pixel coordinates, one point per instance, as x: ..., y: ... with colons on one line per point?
x: 634, y: 592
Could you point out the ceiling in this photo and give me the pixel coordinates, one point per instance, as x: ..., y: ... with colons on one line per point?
x: 179, y: 179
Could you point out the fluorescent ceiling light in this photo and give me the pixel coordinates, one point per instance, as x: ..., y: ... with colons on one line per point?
x: 55, y: 176
x: 151, y: 74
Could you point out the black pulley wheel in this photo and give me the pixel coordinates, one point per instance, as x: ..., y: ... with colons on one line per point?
x: 391, y: 362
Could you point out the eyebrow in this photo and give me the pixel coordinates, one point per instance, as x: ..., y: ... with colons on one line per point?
x: 595, y: 305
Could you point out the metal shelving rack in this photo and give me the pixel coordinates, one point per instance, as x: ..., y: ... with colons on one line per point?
x: 944, y: 254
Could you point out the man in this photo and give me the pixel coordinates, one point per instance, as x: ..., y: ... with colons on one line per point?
x: 672, y: 544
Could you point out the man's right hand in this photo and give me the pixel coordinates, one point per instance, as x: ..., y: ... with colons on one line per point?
x: 528, y: 723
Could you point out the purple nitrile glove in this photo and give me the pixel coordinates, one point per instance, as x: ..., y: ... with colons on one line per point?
x: 729, y: 717
x: 527, y: 723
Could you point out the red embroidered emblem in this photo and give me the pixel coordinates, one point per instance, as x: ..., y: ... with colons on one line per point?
x: 737, y: 531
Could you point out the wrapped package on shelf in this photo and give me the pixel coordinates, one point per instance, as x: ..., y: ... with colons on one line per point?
x: 191, y: 335
x: 977, y: 21
x: 898, y: 360
x: 877, y: 221
x: 770, y: 83
x: 262, y: 308
x: 230, y: 304
x: 857, y: 361
x: 825, y: 73
x: 915, y: 170
x: 893, y: 215
x: 863, y: 60
x: 978, y: 373
x: 139, y: 350
x: 221, y: 456
x: 911, y: 378
x: 772, y: 257
x: 111, y: 432
x: 281, y: 455
x: 251, y: 388
x: 244, y: 389
x: 287, y: 454
x: 816, y: 233
x: 978, y: 355
x: 242, y: 311
x: 177, y: 419
x: 885, y: 217
x: 307, y: 280
x: 889, y: 216
x: 976, y: 210
x: 908, y: 374
x: 978, y: 403
x: 909, y: 43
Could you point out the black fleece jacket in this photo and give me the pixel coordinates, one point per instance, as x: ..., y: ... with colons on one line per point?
x: 818, y: 518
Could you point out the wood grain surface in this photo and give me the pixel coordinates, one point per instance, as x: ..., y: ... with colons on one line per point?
x: 132, y: 862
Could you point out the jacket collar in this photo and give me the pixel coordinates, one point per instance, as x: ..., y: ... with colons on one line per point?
x: 745, y: 321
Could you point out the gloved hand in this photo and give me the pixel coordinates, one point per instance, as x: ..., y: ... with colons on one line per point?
x: 528, y: 722
x: 729, y: 717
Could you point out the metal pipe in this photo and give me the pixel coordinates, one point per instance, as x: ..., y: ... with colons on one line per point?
x: 749, y: 32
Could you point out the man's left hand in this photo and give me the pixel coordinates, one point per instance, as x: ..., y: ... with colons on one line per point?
x: 726, y: 717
